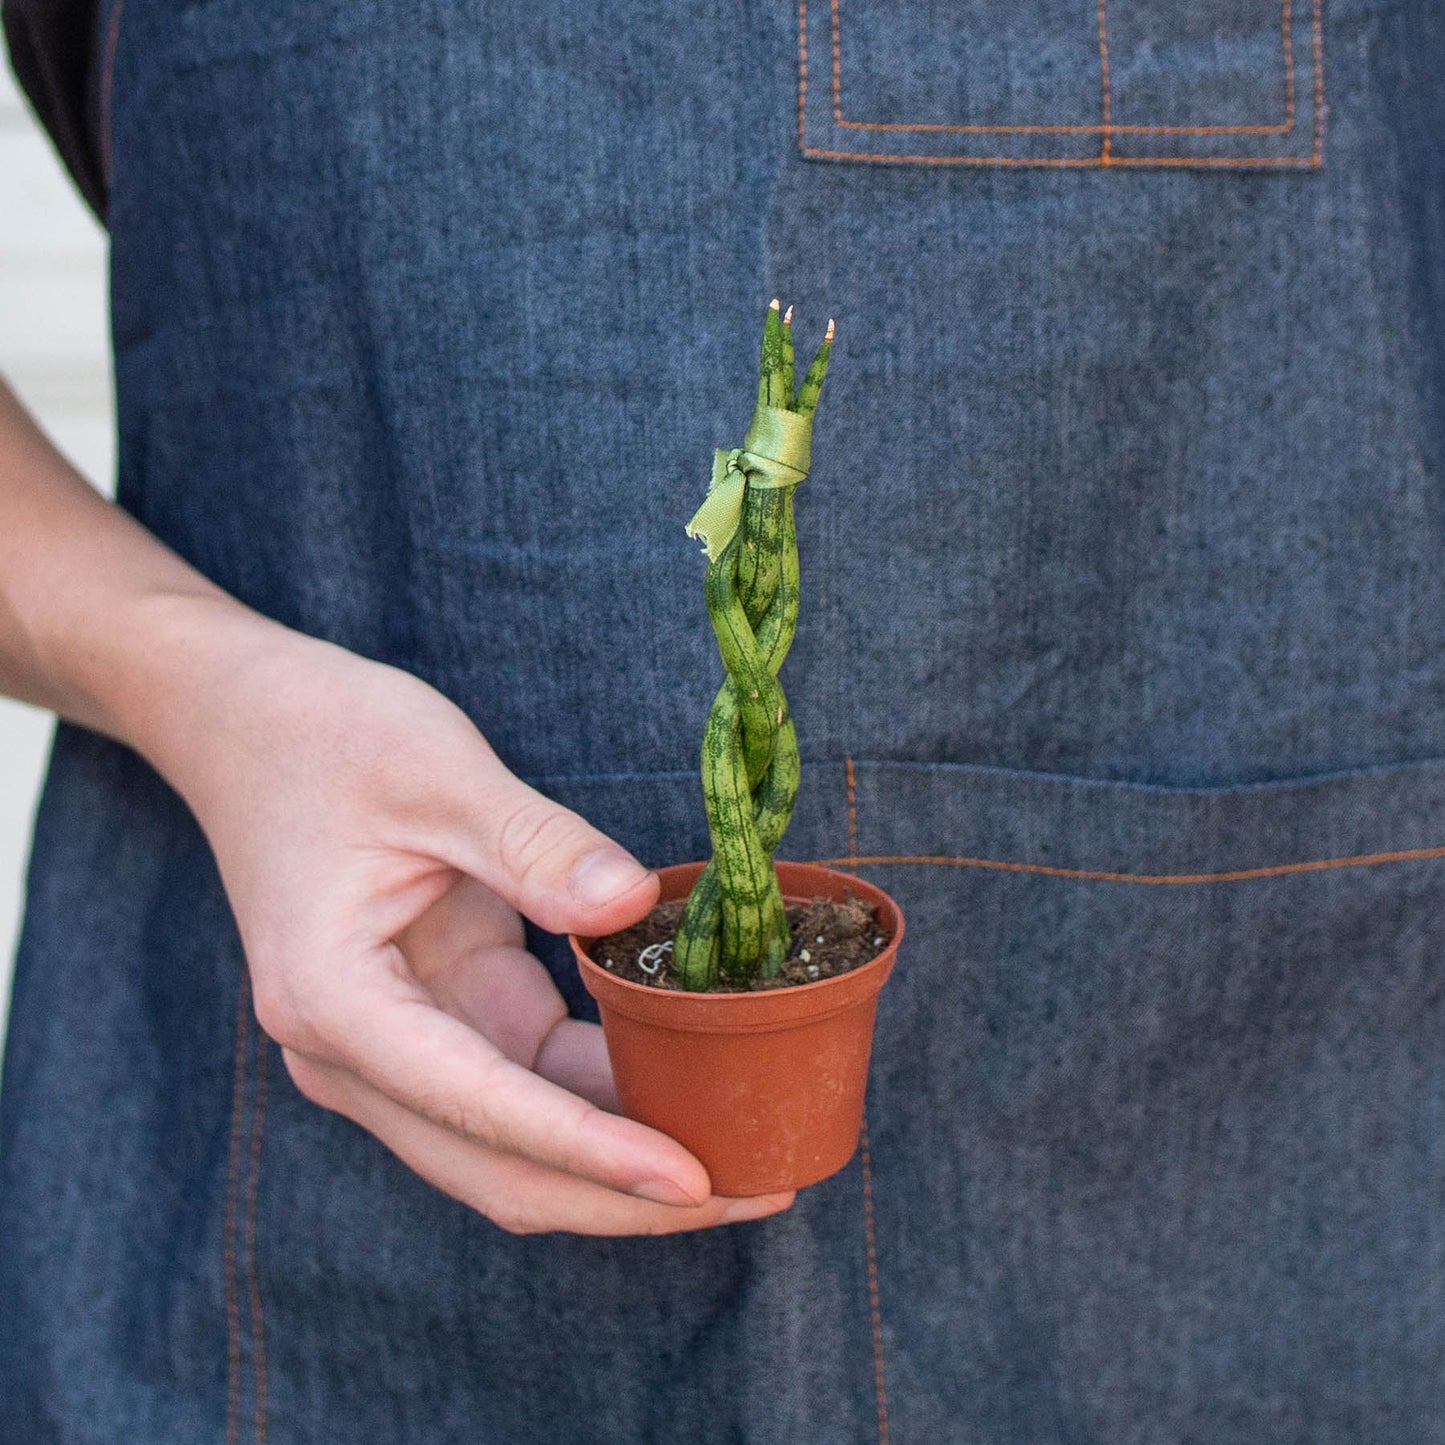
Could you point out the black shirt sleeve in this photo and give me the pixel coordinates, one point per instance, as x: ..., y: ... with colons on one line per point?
x: 52, y: 54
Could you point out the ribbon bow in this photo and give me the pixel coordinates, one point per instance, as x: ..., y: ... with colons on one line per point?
x: 776, y: 451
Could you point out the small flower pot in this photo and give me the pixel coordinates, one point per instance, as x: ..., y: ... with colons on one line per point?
x: 765, y: 1088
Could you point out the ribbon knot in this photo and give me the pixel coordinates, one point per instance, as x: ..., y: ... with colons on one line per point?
x: 776, y: 452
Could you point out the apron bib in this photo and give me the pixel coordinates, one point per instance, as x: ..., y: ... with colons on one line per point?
x: 1121, y: 664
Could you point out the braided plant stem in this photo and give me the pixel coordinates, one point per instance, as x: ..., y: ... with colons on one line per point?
x: 734, y: 926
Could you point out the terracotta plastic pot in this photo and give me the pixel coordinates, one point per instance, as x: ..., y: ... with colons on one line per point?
x: 765, y: 1088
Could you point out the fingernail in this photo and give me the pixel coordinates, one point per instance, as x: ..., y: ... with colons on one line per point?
x: 604, y: 875
x: 663, y: 1191
x: 758, y: 1208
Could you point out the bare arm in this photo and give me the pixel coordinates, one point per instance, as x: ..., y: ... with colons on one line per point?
x: 80, y: 581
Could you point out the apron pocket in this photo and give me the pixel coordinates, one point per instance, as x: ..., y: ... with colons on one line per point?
x: 1235, y: 84
x: 1156, y: 1104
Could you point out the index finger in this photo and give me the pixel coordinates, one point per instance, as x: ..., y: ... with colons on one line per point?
x: 518, y: 1194
x: 396, y: 1039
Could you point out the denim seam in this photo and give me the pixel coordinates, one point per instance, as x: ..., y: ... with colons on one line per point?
x: 1104, y: 875
x: 240, y: 1224
x: 258, y: 1331
x: 107, y: 76
x: 870, y: 1240
x: 1106, y: 158
x: 875, y: 1312
x: 1107, y: 101
x: 852, y: 812
x: 233, y: 1193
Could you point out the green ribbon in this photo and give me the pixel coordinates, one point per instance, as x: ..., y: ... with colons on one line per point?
x: 776, y: 452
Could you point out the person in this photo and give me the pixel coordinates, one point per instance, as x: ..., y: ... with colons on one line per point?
x: 1119, y: 665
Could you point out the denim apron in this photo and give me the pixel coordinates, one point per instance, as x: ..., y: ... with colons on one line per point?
x: 1121, y: 665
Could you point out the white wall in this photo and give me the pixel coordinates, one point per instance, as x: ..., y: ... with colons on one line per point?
x: 55, y: 352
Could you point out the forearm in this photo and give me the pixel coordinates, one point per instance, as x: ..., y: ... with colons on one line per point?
x: 98, y: 620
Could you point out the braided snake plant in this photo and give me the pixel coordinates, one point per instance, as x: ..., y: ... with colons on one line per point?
x: 733, y: 926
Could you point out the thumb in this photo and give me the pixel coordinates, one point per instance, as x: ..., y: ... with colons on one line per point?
x: 551, y: 864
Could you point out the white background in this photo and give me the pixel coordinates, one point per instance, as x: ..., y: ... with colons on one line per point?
x: 55, y: 352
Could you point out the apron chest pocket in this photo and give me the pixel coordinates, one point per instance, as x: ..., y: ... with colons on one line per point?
x: 1062, y: 83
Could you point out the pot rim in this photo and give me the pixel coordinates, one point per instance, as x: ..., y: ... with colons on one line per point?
x: 732, y: 1011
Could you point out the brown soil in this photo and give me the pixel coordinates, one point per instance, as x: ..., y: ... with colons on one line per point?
x: 828, y: 939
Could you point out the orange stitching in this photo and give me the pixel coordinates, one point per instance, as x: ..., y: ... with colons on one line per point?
x: 1287, y: 41
x: 258, y: 1332
x: 1100, y: 875
x: 1255, y: 162
x: 1318, y: 48
x: 106, y: 76
x: 852, y: 811
x: 953, y: 160
x: 802, y: 66
x: 880, y: 1382
x: 837, y: 71
x: 1278, y: 128
x: 1104, y: 73
x: 1314, y: 160
x: 233, y: 1190
x: 875, y: 1313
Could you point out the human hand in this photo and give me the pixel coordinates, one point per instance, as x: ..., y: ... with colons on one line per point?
x: 376, y: 853
x: 374, y: 850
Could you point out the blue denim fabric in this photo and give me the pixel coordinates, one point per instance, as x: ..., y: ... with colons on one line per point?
x: 1121, y: 664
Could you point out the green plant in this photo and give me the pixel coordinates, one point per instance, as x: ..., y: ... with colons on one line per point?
x: 733, y: 926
